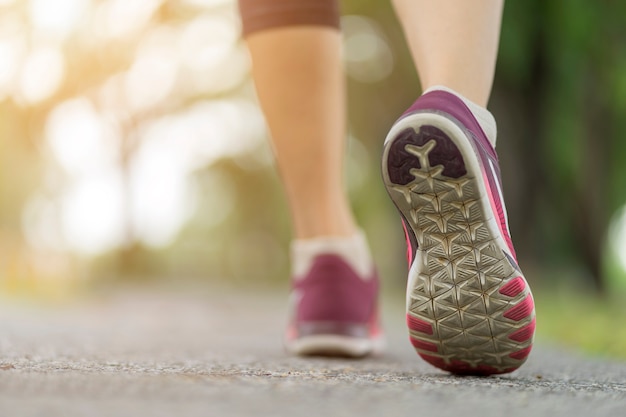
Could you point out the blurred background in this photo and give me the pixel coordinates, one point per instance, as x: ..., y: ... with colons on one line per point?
x: 132, y: 150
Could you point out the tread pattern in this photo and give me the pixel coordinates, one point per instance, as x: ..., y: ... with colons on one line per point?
x: 461, y: 269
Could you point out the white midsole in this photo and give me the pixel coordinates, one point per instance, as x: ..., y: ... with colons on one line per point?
x: 335, y: 344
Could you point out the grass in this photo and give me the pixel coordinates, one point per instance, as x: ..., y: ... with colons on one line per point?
x: 585, y: 322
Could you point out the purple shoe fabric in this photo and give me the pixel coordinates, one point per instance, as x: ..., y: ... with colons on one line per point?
x: 333, y: 300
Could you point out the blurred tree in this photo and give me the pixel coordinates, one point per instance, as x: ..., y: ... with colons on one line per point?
x: 560, y: 79
x: 559, y: 97
x: 133, y: 65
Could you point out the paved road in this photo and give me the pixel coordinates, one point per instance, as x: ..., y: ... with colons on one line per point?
x: 215, y: 353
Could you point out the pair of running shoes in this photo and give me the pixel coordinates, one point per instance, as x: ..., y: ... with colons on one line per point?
x: 469, y: 309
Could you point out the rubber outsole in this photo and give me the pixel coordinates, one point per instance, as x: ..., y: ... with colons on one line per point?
x: 469, y: 308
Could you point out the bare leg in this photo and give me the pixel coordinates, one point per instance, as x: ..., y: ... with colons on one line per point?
x: 295, y: 48
x: 298, y: 76
x: 454, y: 43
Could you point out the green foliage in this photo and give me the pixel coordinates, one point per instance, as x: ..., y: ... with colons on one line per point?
x: 565, y: 62
x: 588, y: 323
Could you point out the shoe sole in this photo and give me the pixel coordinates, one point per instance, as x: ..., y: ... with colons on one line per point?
x: 469, y: 308
x: 335, y: 346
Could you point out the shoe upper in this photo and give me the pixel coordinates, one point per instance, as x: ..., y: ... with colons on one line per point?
x: 332, y: 298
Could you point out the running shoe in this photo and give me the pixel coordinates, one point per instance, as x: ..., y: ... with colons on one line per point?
x: 334, y: 299
x: 469, y: 307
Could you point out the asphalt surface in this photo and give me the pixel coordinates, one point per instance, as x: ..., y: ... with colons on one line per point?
x: 218, y: 353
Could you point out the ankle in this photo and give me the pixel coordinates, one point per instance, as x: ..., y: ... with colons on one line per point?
x: 353, y: 249
x: 483, y: 116
x: 325, y: 230
x: 316, y: 220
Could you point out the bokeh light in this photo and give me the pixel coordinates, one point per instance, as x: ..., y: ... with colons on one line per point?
x: 367, y: 55
x: 152, y: 76
x: 41, y: 74
x: 92, y: 212
x: 617, y: 236
x: 119, y: 19
x: 57, y: 18
x: 125, y: 103
x: 80, y: 139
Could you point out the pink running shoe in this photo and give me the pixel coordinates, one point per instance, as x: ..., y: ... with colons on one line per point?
x: 469, y: 308
x: 334, y: 299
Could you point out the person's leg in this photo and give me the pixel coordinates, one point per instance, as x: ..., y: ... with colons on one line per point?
x: 469, y: 308
x: 300, y: 84
x: 454, y: 43
x: 295, y: 50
